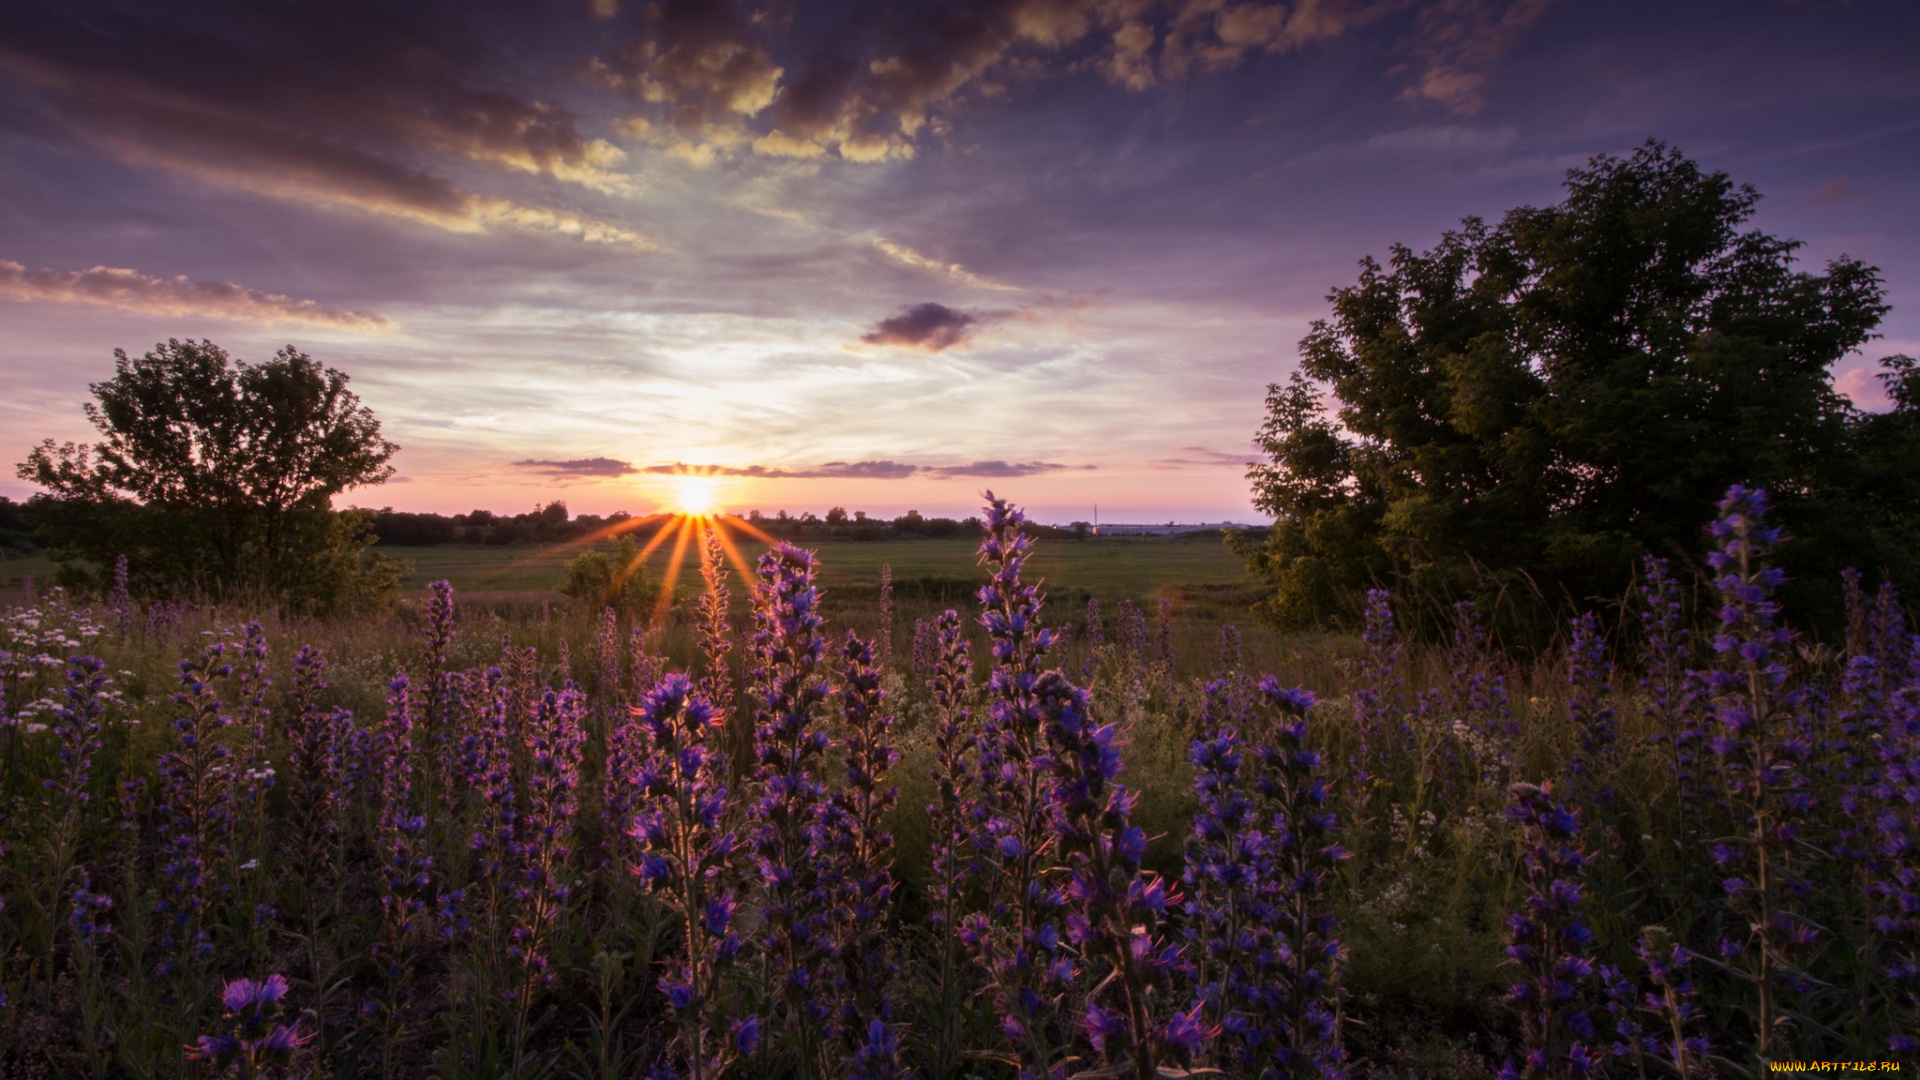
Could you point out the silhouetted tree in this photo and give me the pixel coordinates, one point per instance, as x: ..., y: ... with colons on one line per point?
x: 219, y: 475
x: 1557, y: 394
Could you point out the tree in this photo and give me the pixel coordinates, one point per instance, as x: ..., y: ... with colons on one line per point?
x: 1552, y: 396
x: 218, y: 475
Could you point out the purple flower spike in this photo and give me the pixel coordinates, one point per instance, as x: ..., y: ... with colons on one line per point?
x: 1547, y: 934
x: 685, y: 859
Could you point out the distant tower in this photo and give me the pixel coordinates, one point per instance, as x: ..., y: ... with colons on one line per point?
x: 1096, y: 519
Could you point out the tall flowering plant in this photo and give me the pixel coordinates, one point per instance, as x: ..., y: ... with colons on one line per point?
x: 1307, y: 855
x: 406, y: 868
x: 544, y: 883
x: 861, y: 855
x: 77, y: 727
x: 714, y: 624
x: 1596, y: 734
x: 1759, y: 754
x: 1672, y: 694
x: 195, y: 806
x: 1548, y: 941
x: 1116, y: 910
x: 1379, y: 711
x: 790, y: 687
x: 1231, y: 884
x: 686, y: 857
x: 956, y: 862
x: 1017, y: 940
x: 314, y: 769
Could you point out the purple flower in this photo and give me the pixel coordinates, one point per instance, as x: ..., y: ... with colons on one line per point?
x: 686, y: 860
x: 252, y: 1045
x: 1546, y: 936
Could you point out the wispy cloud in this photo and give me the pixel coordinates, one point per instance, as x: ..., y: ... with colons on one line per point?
x: 995, y: 469
x: 593, y: 466
x: 906, y: 256
x: 131, y: 290
x: 1199, y: 456
x: 867, y: 470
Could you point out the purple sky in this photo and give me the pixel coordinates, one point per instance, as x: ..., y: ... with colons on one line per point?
x: 879, y: 255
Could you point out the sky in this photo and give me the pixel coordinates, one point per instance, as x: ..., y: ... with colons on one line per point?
x: 881, y: 255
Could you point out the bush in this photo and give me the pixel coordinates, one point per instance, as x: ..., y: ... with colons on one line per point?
x: 614, y: 577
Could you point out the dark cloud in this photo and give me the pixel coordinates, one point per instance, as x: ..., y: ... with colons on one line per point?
x: 341, y: 105
x: 928, y: 326
x: 593, y: 466
x: 695, y: 59
x: 870, y: 87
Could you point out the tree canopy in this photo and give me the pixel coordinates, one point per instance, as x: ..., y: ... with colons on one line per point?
x: 1552, y: 396
x: 218, y: 475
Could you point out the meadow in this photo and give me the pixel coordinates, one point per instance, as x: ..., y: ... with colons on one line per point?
x: 1098, y: 833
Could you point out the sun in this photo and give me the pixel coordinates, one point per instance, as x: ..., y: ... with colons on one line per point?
x: 693, y: 496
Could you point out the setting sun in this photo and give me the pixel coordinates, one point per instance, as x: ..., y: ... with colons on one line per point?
x: 693, y: 496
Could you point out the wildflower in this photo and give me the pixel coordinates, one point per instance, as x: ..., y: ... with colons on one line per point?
x: 1115, y: 908
x: 860, y: 850
x: 789, y: 687
x: 1590, y: 682
x: 1672, y: 694
x: 253, y: 1045
x: 195, y: 805
x: 715, y: 627
x: 1758, y: 750
x: 1547, y: 939
x: 405, y: 869
x: 687, y: 860
x: 1015, y: 939
x: 1378, y: 711
x: 544, y: 883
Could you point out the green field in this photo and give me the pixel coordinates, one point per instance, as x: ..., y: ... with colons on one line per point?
x: 1133, y: 567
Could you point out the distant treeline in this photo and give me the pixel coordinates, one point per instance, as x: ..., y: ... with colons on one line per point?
x: 16, y: 528
x: 554, y: 524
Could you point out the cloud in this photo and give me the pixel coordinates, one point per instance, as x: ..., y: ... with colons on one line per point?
x: 343, y: 108
x: 832, y: 470
x: 593, y: 466
x: 130, y: 290
x: 872, y: 87
x: 906, y: 256
x: 1190, y: 456
x: 1457, y: 43
x: 1837, y: 190
x: 928, y: 326
x: 864, y: 470
x: 996, y: 469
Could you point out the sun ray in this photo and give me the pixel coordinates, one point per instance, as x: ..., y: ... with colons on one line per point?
x: 542, y: 553
x: 747, y: 527
x: 674, y: 563
x: 738, y: 560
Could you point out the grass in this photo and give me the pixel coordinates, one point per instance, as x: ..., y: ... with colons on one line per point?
x: 1137, y: 568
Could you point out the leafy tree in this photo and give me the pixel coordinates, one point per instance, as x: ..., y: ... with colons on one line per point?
x: 614, y: 577
x: 1540, y: 401
x: 218, y: 476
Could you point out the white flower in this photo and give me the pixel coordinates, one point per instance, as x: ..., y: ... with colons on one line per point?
x: 250, y: 864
